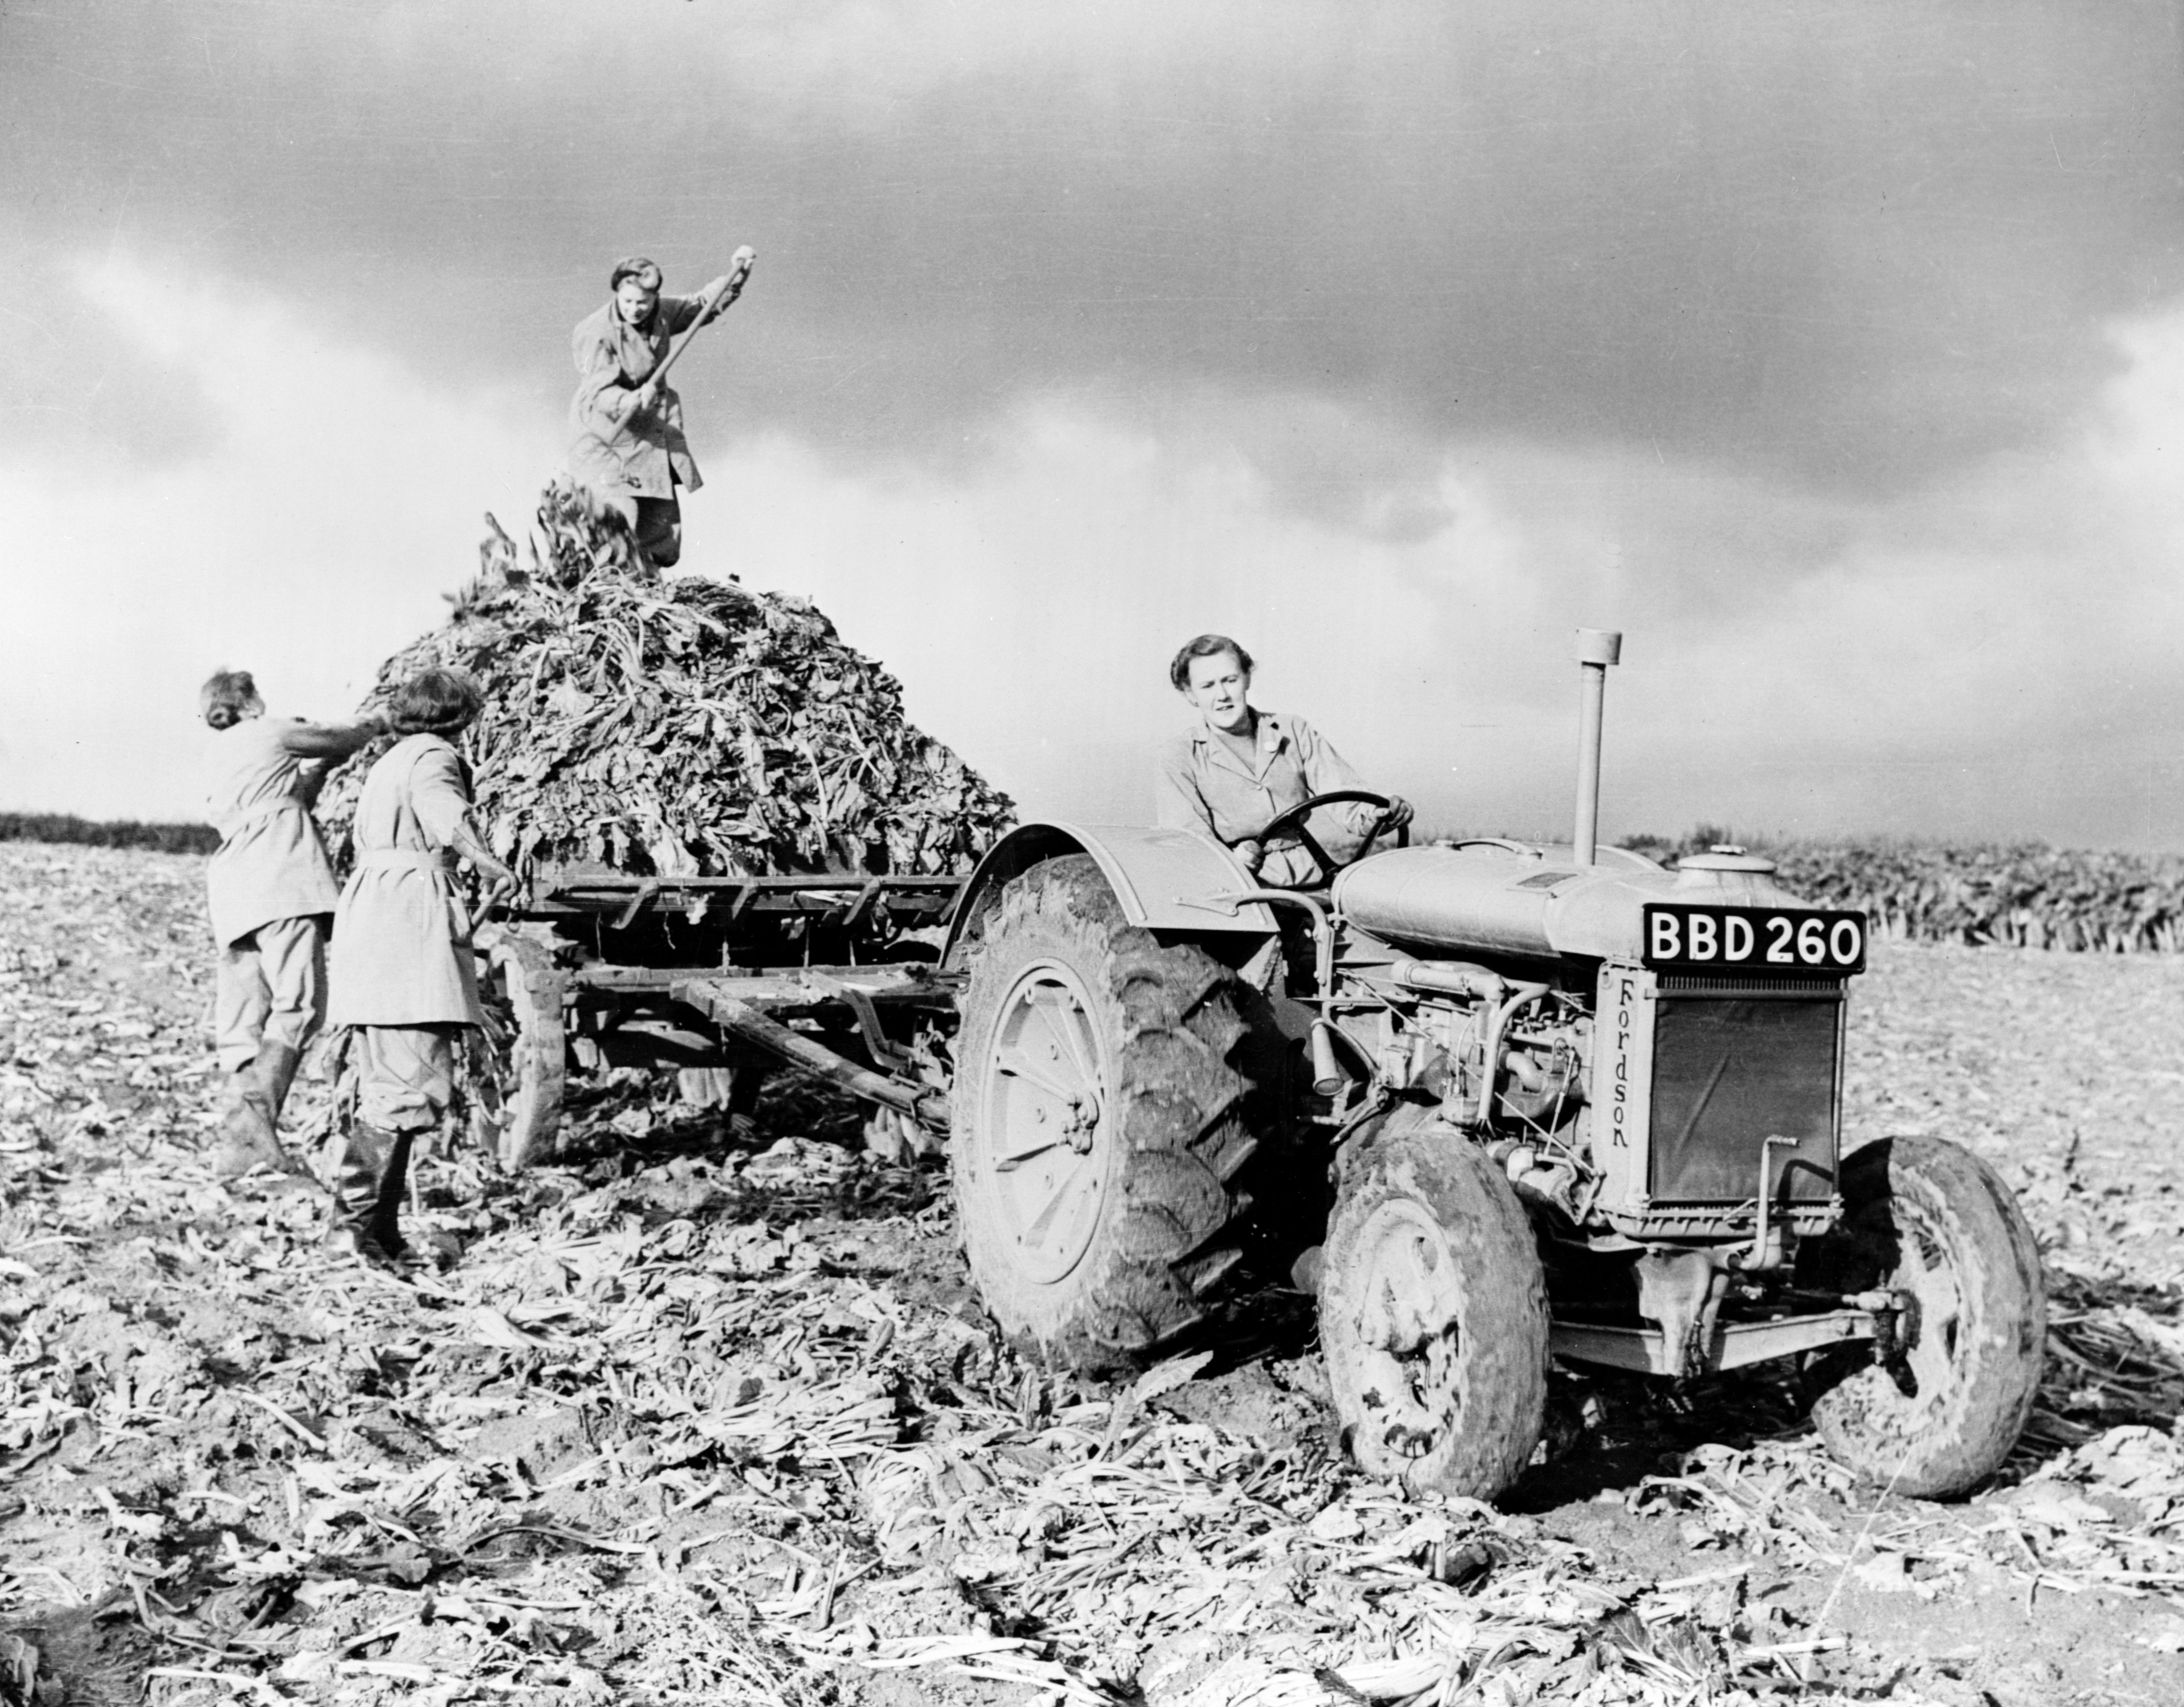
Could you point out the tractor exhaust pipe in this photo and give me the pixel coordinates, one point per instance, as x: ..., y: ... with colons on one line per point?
x: 1596, y: 649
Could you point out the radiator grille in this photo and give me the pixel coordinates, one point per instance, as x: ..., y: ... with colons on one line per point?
x: 1693, y: 983
x: 1731, y: 1071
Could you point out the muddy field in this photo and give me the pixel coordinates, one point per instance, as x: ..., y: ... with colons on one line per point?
x: 710, y: 1415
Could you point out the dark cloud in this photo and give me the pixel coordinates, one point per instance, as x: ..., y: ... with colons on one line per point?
x: 75, y: 390
x: 1839, y: 247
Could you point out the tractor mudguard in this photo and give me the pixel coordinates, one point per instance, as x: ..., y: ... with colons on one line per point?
x: 1166, y: 880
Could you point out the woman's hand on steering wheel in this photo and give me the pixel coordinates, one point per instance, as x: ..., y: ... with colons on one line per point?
x: 1394, y: 814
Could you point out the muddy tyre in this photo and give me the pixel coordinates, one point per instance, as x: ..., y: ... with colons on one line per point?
x: 1433, y: 1313
x: 519, y: 1059
x: 1097, y: 1123
x: 1929, y: 1220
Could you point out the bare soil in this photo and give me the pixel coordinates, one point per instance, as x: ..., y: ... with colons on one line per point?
x: 707, y: 1414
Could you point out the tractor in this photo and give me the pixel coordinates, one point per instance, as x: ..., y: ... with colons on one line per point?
x: 1517, y: 1106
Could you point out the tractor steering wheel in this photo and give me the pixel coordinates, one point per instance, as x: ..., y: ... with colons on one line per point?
x: 1292, y: 823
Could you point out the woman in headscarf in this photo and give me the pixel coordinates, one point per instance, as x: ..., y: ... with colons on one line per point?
x: 403, y: 976
x: 626, y: 431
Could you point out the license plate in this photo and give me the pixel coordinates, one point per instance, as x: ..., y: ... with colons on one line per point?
x: 1684, y: 937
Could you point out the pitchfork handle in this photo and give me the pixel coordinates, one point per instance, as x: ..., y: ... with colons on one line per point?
x: 739, y: 270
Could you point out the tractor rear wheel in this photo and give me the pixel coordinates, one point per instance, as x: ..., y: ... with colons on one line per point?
x: 1433, y: 1313
x: 519, y: 1058
x: 1097, y: 1124
x: 1938, y: 1412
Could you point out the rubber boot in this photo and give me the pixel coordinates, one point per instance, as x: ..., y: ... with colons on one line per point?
x: 250, y: 1136
x: 281, y: 1062
x: 277, y: 1065
x: 366, y: 1151
x: 247, y: 1138
x: 386, y: 1209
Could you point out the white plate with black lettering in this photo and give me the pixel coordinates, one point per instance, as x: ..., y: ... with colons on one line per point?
x: 1790, y: 942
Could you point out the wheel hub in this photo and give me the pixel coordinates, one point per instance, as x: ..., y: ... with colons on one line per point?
x: 1045, y: 1104
x: 1405, y: 1322
x: 1930, y: 1307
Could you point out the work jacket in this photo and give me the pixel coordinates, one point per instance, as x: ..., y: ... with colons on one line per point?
x: 1199, y: 783
x: 271, y: 863
x: 402, y: 952
x: 643, y: 455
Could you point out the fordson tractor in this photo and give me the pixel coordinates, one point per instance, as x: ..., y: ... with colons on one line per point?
x: 1571, y: 1108
x: 1509, y: 1104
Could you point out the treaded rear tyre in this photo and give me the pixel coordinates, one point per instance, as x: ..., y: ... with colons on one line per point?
x: 1929, y: 1219
x: 1095, y: 1228
x: 1433, y: 1313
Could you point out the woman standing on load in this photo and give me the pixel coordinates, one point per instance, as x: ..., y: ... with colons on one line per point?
x: 626, y: 443
x: 403, y: 978
x: 271, y: 891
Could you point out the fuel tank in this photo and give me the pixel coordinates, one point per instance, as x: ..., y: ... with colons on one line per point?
x: 1534, y: 899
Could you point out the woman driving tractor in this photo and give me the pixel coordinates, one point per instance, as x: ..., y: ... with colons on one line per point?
x: 1240, y: 776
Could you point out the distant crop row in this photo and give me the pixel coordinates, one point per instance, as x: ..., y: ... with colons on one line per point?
x: 2022, y: 892
x: 62, y: 826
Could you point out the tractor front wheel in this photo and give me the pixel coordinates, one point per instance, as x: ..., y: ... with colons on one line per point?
x: 1938, y: 1409
x: 1433, y: 1313
x: 1098, y: 1126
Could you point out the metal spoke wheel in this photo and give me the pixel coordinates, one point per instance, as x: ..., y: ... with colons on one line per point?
x: 1936, y: 1408
x: 1046, y: 1157
x: 518, y: 1060
x: 1097, y: 1128
x: 1433, y: 1312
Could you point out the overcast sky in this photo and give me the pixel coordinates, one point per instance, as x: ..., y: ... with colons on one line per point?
x: 1836, y: 354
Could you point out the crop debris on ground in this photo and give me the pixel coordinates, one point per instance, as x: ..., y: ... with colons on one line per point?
x: 711, y: 1416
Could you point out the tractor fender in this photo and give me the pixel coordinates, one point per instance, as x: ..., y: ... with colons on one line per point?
x: 1167, y: 880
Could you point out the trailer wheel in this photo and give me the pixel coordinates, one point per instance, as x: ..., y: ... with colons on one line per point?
x: 1433, y: 1313
x: 1936, y: 1414
x: 1098, y: 1127
x: 518, y: 1061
